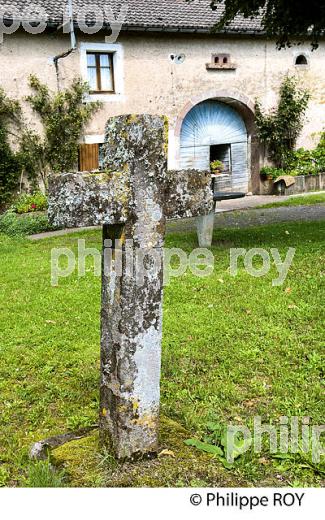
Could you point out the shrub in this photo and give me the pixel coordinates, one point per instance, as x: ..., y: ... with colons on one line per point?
x: 13, y: 225
x: 9, y: 169
x: 30, y: 203
x: 300, y: 162
x: 306, y: 162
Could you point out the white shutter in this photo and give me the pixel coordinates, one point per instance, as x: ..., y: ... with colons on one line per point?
x: 197, y: 158
x: 239, y: 166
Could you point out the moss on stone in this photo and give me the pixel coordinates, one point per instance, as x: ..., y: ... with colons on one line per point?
x: 81, y: 461
x: 178, y: 464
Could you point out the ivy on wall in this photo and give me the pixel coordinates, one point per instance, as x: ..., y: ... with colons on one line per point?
x: 280, y: 128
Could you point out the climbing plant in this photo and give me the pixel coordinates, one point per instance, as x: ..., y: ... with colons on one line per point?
x: 63, y: 116
x: 280, y: 128
x: 10, y: 165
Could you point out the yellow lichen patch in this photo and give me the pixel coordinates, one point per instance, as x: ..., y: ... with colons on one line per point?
x: 122, y: 408
x: 135, y: 406
x: 166, y: 134
x: 146, y: 420
x: 133, y: 118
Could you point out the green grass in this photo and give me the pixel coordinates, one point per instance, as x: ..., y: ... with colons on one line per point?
x: 41, y: 474
x: 299, y: 200
x: 233, y: 348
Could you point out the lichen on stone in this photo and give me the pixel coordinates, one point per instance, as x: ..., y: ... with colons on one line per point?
x: 133, y: 197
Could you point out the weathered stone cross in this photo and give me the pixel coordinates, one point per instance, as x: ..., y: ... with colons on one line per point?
x: 132, y: 200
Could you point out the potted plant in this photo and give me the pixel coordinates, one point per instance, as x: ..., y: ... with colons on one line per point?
x: 217, y: 167
x: 271, y: 173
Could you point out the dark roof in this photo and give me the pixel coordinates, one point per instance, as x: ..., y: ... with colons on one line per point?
x: 168, y: 15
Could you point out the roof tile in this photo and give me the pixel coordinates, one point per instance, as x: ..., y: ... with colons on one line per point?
x: 162, y: 14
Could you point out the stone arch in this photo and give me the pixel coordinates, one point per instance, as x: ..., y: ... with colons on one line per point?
x: 244, y: 106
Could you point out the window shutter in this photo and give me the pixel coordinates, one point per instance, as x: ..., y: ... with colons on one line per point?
x: 88, y: 157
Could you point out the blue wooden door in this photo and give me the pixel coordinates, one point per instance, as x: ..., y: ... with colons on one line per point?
x: 212, y: 123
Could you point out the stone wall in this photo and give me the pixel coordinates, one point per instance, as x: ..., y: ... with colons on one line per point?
x: 306, y: 183
x: 152, y: 84
x: 303, y: 184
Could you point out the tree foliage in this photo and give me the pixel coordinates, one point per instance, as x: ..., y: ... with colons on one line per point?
x: 280, y: 128
x: 287, y: 20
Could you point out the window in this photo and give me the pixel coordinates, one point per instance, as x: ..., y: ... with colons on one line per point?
x: 102, y: 66
x: 221, y: 62
x: 301, y: 60
x: 222, y: 152
x: 100, y: 72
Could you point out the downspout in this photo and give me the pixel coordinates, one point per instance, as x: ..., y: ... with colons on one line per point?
x: 73, y: 43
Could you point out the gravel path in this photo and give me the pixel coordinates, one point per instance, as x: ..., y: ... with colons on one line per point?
x: 232, y: 214
x: 256, y: 217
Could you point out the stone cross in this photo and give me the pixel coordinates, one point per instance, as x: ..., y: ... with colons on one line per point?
x: 131, y: 200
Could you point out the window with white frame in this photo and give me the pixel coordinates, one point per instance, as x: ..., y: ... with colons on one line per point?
x: 100, y: 71
x: 102, y: 68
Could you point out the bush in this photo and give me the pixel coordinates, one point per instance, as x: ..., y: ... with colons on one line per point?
x: 30, y: 203
x: 306, y: 162
x: 300, y: 162
x: 10, y: 165
x: 13, y: 225
x: 9, y: 170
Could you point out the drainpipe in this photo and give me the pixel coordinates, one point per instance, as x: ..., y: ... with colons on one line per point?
x: 73, y: 42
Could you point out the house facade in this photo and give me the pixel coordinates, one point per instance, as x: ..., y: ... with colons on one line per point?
x: 165, y: 60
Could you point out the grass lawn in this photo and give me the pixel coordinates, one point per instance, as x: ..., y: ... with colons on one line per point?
x: 233, y: 348
x: 299, y: 200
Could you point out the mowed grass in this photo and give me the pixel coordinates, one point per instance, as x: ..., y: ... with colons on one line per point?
x: 233, y: 347
x: 297, y: 200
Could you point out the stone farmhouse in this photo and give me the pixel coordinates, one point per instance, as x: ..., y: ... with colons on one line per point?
x: 162, y: 59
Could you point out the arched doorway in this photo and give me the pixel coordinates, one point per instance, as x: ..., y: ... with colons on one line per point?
x: 213, y: 130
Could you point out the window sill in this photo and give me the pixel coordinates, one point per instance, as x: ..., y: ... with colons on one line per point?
x: 102, y: 92
x: 104, y: 97
x: 221, y: 66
